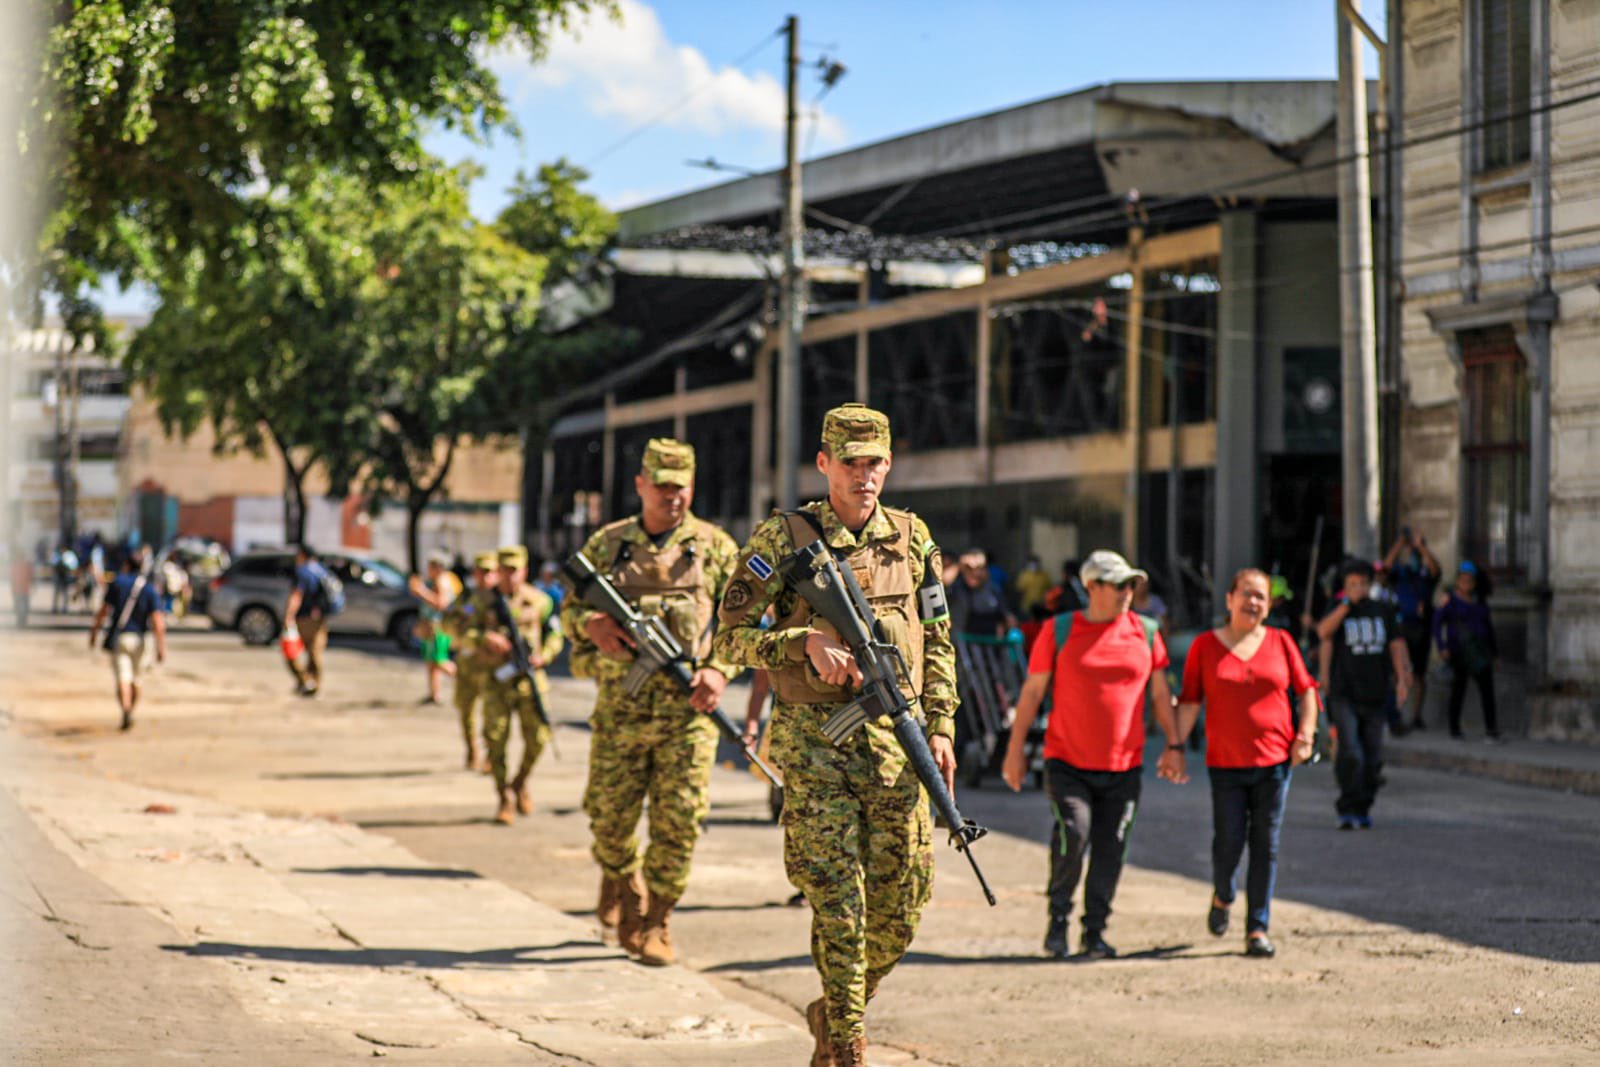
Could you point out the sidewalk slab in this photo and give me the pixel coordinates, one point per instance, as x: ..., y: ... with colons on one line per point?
x: 341, y: 932
x: 1548, y: 765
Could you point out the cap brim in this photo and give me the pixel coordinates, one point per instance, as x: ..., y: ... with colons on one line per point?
x: 860, y: 449
x: 673, y: 477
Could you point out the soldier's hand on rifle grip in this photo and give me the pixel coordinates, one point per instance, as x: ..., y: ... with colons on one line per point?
x: 944, y: 754
x: 497, y: 643
x: 832, y: 660
x: 707, y: 692
x: 609, y: 637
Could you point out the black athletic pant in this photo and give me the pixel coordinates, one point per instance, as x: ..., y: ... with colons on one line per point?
x: 1093, y: 813
x: 1458, y: 696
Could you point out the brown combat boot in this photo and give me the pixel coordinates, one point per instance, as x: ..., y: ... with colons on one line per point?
x: 655, y: 946
x: 852, y: 1053
x: 817, y: 1020
x: 610, y: 907
x: 524, y: 801
x: 630, y: 913
x: 508, y: 802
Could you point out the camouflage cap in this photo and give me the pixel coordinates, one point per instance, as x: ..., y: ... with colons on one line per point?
x: 668, y: 462
x: 850, y: 431
x: 484, y: 561
x: 512, y: 556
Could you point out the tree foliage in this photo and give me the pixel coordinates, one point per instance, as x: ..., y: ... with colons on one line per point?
x: 162, y: 118
x: 551, y: 216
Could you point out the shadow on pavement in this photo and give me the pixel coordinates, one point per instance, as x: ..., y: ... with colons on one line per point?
x: 392, y: 872
x: 937, y: 959
x: 434, y: 959
x: 423, y: 824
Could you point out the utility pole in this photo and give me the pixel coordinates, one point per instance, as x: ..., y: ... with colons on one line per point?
x: 1359, y: 339
x: 792, y: 300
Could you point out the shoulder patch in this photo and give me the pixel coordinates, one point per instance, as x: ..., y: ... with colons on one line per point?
x: 759, y: 567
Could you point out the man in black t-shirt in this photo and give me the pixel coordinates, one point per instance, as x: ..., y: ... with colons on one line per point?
x: 1369, y: 656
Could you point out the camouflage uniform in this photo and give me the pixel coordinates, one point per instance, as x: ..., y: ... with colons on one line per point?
x: 533, y: 611
x: 652, y: 744
x: 857, y: 834
x: 472, y: 664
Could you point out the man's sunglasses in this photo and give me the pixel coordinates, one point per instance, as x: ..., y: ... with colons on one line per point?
x: 1129, y: 583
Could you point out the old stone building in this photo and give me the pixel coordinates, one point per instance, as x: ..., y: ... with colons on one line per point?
x: 1500, y: 315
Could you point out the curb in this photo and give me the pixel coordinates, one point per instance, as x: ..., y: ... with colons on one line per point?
x: 1542, y: 776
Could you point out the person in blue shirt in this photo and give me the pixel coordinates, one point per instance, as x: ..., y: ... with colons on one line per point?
x: 133, y: 607
x: 307, y: 606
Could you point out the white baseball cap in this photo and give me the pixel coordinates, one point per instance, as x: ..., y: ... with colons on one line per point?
x: 1104, y: 565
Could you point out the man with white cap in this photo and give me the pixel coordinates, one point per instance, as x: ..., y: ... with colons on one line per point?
x: 1102, y: 660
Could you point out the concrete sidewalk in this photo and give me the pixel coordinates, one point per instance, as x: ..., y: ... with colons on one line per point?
x: 1569, y: 766
x: 313, y: 939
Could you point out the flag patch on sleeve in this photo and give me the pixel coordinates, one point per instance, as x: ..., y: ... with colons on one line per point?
x: 759, y: 567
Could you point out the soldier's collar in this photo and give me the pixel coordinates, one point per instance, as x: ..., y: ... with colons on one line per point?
x: 879, y: 528
x: 636, y: 533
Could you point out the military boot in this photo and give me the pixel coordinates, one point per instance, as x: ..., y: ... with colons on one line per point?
x: 524, y: 802
x: 610, y: 907
x: 630, y: 913
x: 852, y: 1053
x: 474, y: 757
x: 655, y: 947
x: 817, y: 1020
x: 508, y: 803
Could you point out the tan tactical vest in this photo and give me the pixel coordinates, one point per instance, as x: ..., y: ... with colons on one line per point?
x: 668, y: 582
x: 883, y: 569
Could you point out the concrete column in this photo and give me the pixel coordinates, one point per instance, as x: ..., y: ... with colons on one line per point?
x: 1236, y: 540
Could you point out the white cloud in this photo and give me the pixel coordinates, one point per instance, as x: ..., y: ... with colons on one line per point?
x: 631, y: 71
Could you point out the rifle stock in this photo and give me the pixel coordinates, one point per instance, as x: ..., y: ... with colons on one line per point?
x: 655, y: 648
x: 833, y: 593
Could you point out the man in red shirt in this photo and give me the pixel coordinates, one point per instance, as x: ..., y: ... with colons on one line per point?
x: 1094, y: 744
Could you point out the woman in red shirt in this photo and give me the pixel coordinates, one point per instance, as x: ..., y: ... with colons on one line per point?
x: 1243, y: 671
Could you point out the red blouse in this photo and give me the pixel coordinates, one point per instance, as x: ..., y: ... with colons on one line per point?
x: 1249, y: 722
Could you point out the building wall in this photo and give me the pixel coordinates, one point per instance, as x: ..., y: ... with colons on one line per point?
x: 1468, y: 239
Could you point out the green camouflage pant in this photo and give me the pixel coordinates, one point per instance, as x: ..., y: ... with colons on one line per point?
x: 502, y: 701
x: 860, y: 851
x: 652, y: 746
x: 471, y: 682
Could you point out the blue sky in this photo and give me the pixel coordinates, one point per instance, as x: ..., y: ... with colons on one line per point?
x: 911, y: 65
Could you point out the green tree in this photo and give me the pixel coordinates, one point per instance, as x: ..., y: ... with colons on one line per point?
x: 551, y: 216
x: 154, y: 122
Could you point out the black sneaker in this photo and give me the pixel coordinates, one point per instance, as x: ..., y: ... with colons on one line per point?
x: 1094, y: 947
x: 1055, y: 937
x: 1259, y: 947
x: 1217, y: 919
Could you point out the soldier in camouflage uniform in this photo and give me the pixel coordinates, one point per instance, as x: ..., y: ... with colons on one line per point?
x: 472, y: 664
x: 856, y: 825
x: 507, y: 698
x: 658, y: 743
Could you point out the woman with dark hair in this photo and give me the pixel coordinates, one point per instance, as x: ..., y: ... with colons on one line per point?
x: 1243, y: 672
x: 1464, y: 634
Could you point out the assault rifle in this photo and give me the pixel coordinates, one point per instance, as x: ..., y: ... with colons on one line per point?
x: 836, y: 596
x: 520, y: 665
x: 654, y: 647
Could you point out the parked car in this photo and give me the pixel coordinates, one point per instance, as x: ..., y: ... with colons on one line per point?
x: 249, y: 596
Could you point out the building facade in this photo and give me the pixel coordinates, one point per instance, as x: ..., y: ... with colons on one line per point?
x: 1500, y: 319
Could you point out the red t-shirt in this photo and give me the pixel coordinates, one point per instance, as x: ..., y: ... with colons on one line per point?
x: 1097, y: 716
x: 1249, y: 722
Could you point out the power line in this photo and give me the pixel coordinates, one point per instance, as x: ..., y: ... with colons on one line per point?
x: 680, y: 103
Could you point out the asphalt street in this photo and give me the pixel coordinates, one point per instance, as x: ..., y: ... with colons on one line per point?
x: 1465, y: 928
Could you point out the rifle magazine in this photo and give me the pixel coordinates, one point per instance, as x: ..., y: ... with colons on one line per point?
x: 844, y: 722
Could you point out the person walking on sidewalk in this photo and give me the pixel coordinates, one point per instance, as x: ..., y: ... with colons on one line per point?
x: 472, y: 663
x: 308, y: 606
x: 509, y: 694
x: 658, y: 743
x: 134, y: 608
x: 857, y: 836
x: 1243, y: 672
x: 1368, y: 663
x: 436, y: 592
x: 1102, y: 661
x: 1465, y: 635
x: 1415, y: 573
